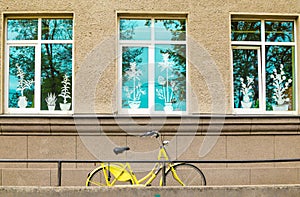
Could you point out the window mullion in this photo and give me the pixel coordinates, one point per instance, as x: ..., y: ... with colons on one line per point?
x: 37, y: 81
x: 263, y: 66
x: 151, y: 67
x: 151, y: 81
x: 38, y: 62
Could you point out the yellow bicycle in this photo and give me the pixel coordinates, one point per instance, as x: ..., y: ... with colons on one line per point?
x: 111, y: 174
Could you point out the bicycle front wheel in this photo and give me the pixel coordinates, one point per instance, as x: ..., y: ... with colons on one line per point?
x: 185, y: 174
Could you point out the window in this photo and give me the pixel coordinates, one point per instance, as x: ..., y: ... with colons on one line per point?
x: 38, y: 65
x: 152, y: 65
x: 264, y: 65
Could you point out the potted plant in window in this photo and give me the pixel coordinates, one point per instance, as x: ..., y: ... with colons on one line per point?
x: 281, y: 84
x: 22, y: 85
x: 51, y: 101
x: 134, y: 93
x: 168, y: 86
x: 247, y: 91
x: 65, y: 94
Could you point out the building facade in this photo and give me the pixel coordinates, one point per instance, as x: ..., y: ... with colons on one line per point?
x: 218, y: 79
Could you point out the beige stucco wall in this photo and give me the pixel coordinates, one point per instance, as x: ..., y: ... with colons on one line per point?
x: 95, y: 45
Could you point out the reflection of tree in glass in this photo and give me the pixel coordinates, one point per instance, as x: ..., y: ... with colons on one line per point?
x: 176, y: 27
x: 279, y: 31
x: 245, y: 30
x: 130, y: 56
x: 276, y: 56
x: 128, y: 28
x: 244, y: 65
x: 56, y: 61
x: 22, y: 29
x: 178, y: 75
x: 57, y: 29
x: 25, y: 56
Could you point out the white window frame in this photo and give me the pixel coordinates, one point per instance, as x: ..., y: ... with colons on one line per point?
x: 37, y: 79
x: 261, y: 46
x: 150, y: 44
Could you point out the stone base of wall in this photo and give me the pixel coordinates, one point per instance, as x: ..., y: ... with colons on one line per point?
x: 214, y: 176
x: 240, y: 138
x: 221, y: 191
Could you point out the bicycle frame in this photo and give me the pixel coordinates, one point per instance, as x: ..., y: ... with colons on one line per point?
x: 123, y: 172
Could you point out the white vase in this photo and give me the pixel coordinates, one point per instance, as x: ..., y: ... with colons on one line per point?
x: 283, y: 107
x: 65, y: 106
x: 168, y: 107
x: 22, y: 103
x: 246, y: 104
x: 134, y: 104
x: 51, y: 107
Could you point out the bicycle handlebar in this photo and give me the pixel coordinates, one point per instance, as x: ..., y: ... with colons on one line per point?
x: 151, y: 134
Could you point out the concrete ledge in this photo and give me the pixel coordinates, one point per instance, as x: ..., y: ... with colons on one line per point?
x: 208, y: 191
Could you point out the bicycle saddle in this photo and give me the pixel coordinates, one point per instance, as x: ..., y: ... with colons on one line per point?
x: 119, y: 150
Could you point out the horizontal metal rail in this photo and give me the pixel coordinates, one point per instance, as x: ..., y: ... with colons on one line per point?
x: 163, y: 162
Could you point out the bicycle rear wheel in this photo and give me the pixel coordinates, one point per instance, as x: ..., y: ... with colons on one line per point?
x: 97, y: 178
x: 189, y: 174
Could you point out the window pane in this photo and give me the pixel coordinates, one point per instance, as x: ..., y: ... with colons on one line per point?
x: 245, y: 30
x: 21, y: 77
x: 22, y: 29
x: 279, y: 31
x: 56, y: 63
x: 170, y: 29
x: 135, y: 29
x: 170, y: 77
x: 57, y: 29
x: 280, y: 65
x: 134, y: 77
x: 245, y: 78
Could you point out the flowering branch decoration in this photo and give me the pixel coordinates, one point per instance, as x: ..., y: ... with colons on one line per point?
x: 23, y: 84
x: 65, y: 89
x: 281, y: 84
x: 247, y: 88
x: 166, y: 93
x: 134, y: 93
x: 134, y: 74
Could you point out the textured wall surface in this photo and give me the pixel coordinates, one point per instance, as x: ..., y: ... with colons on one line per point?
x: 96, y: 47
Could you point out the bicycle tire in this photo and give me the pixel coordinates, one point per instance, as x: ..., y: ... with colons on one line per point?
x: 189, y: 174
x: 97, y: 178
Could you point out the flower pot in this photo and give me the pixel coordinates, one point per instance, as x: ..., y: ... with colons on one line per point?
x: 283, y: 107
x: 168, y: 107
x: 65, y: 106
x: 22, y: 103
x: 246, y: 104
x: 51, y: 107
x: 134, y: 104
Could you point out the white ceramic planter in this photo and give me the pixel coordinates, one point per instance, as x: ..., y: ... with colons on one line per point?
x: 134, y: 104
x: 22, y: 103
x: 246, y: 104
x: 65, y: 106
x: 168, y: 107
x: 51, y: 108
x: 284, y: 107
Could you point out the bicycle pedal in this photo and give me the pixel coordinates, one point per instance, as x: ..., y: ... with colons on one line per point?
x: 148, y: 185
